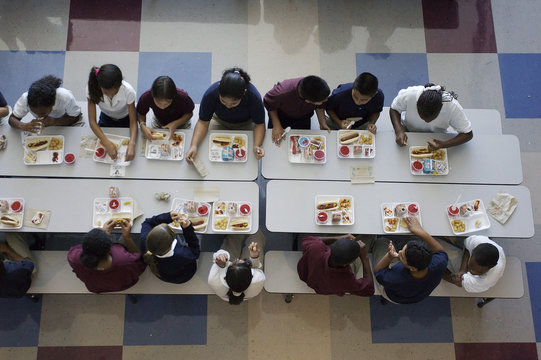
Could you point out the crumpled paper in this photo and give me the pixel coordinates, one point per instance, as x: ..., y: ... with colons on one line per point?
x: 502, y: 206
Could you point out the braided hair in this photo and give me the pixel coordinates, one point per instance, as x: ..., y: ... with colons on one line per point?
x: 431, y: 101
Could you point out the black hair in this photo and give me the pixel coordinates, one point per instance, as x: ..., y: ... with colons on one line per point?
x: 418, y: 254
x: 164, y: 88
x: 314, y: 89
x: 238, y: 277
x: 430, y: 102
x: 233, y: 83
x: 343, y: 252
x: 107, y: 76
x: 486, y: 255
x: 42, y: 92
x: 96, y: 246
x: 366, y: 84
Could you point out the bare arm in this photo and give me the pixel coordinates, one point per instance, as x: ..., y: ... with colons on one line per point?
x: 416, y: 228
x: 340, y: 123
x: 173, y: 125
x: 199, y: 133
x: 320, y: 113
x: 400, y: 134
x: 6, y: 249
x: 277, y: 129
x: 259, y: 136
x: 126, y: 234
x: 65, y: 120
x: 457, y: 140
x: 132, y: 113
x: 4, y: 111
x: 143, y: 124
x: 372, y: 123
x: 18, y: 124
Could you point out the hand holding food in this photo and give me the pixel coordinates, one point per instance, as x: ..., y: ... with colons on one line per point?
x: 147, y: 133
x: 413, y: 224
x: 372, y: 128
x: 126, y: 228
x: 435, y: 145
x: 33, y: 126
x: 109, y: 226
x: 277, y: 132
x: 110, y: 148
x: 401, y: 138
x: 254, y: 250
x: 221, y: 260
x: 191, y: 154
x: 259, y: 152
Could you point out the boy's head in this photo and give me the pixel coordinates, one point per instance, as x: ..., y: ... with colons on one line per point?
x: 415, y: 255
x: 365, y: 87
x: 483, y: 258
x: 314, y: 90
x: 430, y: 103
x: 343, y: 252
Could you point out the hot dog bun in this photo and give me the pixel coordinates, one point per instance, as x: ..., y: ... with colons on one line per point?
x: 420, y: 152
x: 239, y: 224
x: 159, y: 135
x: 199, y: 223
x: 38, y: 144
x: 221, y: 140
x: 327, y: 205
x: 348, y: 137
x: 9, y: 220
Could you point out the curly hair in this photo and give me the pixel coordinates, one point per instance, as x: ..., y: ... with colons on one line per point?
x: 42, y: 92
x: 96, y: 246
x: 418, y: 254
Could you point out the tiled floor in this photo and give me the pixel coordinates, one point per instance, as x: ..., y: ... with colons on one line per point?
x: 487, y: 51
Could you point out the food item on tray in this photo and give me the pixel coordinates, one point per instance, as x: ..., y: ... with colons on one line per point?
x: 319, y: 155
x: 417, y: 165
x: 344, y: 150
x: 221, y: 223
x: 232, y: 208
x: 458, y: 225
x: 427, y: 166
x: 113, y: 192
x: 453, y: 210
x: 100, y: 152
x: 227, y: 153
x: 30, y: 156
x: 316, y: 144
x: 367, y: 140
x: 177, y: 139
x: 387, y: 211
x: 392, y: 224
x: 199, y: 223
x: 56, y: 144
x: 345, y: 217
x: 477, y: 224
x: 238, y: 142
x: 221, y: 140
x: 4, y: 206
x: 55, y: 157
x: 239, y: 224
x: 240, y: 154
x: 348, y: 137
x: 400, y: 210
x: 9, y: 220
x: 191, y: 206
x: 158, y: 135
x: 38, y: 217
x: 38, y: 144
x: 114, y: 204
x: 476, y: 205
x: 295, y: 145
x: 125, y: 142
x: 413, y: 209
x: 245, y: 209
x: 203, y: 209
x: 466, y: 210
x: 438, y: 155
x: 345, y: 203
x: 327, y: 205
x: 219, y: 208
x: 16, y: 206
x: 322, y: 217
x: 421, y: 152
x: 357, y: 150
x: 403, y: 223
x: 304, y: 141
x: 336, y: 216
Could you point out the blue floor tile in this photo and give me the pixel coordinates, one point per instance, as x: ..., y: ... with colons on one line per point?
x: 533, y: 269
x: 394, y: 71
x: 190, y: 71
x: 20, y: 322
x: 520, y: 75
x: 426, y: 322
x: 166, y: 320
x: 21, y: 68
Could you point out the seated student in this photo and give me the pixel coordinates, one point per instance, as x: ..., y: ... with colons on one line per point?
x: 104, y: 266
x: 16, y: 266
x: 360, y: 101
x: 167, y: 258
x: 429, y: 108
x: 50, y: 104
x: 172, y: 107
x: 234, y: 104
x: 116, y: 99
x: 479, y: 268
x: 329, y: 265
x: 4, y: 108
x: 292, y: 103
x: 237, y: 272
x: 416, y: 269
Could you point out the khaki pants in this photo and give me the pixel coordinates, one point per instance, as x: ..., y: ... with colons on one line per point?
x: 156, y: 124
x: 17, y: 242
x: 218, y: 124
x: 237, y: 247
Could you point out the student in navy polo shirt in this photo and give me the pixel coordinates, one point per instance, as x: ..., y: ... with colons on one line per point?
x: 360, y: 101
x: 416, y: 269
x: 4, y: 109
x: 233, y: 103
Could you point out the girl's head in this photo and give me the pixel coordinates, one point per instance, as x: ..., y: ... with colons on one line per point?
x: 163, y: 91
x: 233, y: 87
x: 431, y: 101
x: 106, y: 79
x: 158, y: 242
x: 42, y: 95
x: 238, y: 277
x: 96, y: 247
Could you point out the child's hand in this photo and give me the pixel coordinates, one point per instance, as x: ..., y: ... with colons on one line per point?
x: 130, y: 154
x: 392, y: 251
x: 191, y: 154
x: 277, y: 132
x: 171, y: 128
x: 126, y: 228
x: 259, y: 152
x: 109, y: 226
x: 372, y: 128
x: 147, y: 133
x: 401, y: 138
x: 435, y: 145
x: 110, y: 148
x: 254, y: 250
x: 413, y: 224
x: 221, y: 260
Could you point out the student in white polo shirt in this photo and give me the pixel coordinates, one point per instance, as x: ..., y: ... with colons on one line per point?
x: 116, y: 99
x: 50, y: 104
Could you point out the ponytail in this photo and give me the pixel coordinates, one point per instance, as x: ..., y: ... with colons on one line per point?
x: 238, y: 277
x: 107, y: 76
x: 234, y: 299
x: 150, y: 260
x: 94, y: 92
x: 158, y: 241
x: 234, y: 83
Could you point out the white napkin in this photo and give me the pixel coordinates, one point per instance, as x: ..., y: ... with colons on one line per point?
x: 502, y: 206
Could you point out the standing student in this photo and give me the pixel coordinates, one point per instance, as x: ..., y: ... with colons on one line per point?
x: 116, y: 100
x: 360, y: 101
x: 104, y: 266
x: 50, y: 104
x: 237, y: 272
x: 172, y: 107
x: 232, y: 103
x: 164, y: 253
x: 292, y: 103
x: 429, y: 108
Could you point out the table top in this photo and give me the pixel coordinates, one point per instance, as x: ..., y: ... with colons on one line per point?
x: 71, y: 200
x: 140, y: 168
x: 291, y: 206
x: 486, y: 159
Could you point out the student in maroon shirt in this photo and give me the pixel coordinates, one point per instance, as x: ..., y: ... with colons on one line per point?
x: 172, y: 107
x: 104, y: 266
x: 292, y: 103
x: 326, y: 266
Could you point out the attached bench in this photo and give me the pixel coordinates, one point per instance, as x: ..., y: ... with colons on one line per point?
x: 281, y: 274
x: 55, y: 276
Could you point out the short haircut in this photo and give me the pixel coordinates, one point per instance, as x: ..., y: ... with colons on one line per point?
x: 233, y: 83
x: 344, y: 251
x: 314, y: 89
x: 164, y: 88
x: 486, y: 255
x: 418, y: 254
x: 366, y: 84
x: 96, y: 246
x: 42, y: 92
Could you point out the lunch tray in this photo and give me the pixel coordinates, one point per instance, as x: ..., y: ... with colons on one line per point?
x: 181, y: 206
x: 216, y: 151
x: 44, y: 156
x: 102, y: 211
x: 347, y: 216
x: 121, y: 151
x: 477, y: 221
x: 226, y: 211
x: 433, y: 167
x: 363, y: 148
x: 391, y: 221
x: 18, y: 215
x: 302, y: 148
x: 168, y: 149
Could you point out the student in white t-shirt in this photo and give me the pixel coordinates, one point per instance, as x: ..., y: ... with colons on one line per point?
x: 116, y: 99
x: 50, y: 104
x: 481, y: 266
x: 429, y: 108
